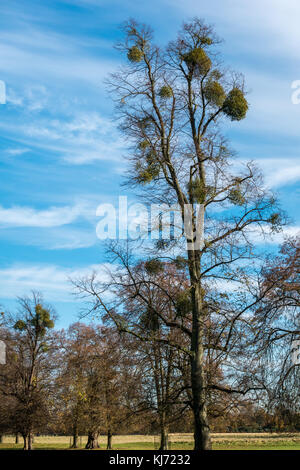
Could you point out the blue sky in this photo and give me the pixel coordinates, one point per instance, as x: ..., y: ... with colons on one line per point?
x: 61, y: 154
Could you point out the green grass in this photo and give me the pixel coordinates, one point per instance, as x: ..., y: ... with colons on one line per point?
x: 178, y: 442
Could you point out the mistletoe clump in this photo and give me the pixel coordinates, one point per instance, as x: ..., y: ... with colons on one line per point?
x: 183, y: 303
x: 275, y: 221
x: 180, y: 262
x: 236, y: 196
x: 149, y: 172
x: 149, y: 320
x: 235, y: 105
x: 197, y: 60
x: 214, y: 93
x: 151, y: 157
x: 145, y: 176
x: 166, y: 92
x: 20, y: 325
x: 144, y: 144
x: 205, y: 40
x: 154, y: 266
x: 41, y: 321
x: 135, y: 54
x: 144, y: 123
x: 197, y: 190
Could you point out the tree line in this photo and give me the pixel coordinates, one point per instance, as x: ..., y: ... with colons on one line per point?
x: 132, y: 374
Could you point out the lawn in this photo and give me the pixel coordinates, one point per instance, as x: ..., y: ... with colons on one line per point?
x: 178, y: 441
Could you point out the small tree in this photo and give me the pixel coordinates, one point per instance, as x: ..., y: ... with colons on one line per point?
x: 71, y: 379
x: 277, y: 333
x: 89, y: 382
x: 27, y: 377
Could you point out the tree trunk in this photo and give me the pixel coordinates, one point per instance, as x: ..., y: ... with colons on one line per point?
x: 164, y: 438
x: 17, y: 438
x: 201, y: 426
x: 1, y: 439
x: 30, y: 440
x: 92, y: 442
x: 27, y: 441
x: 75, y: 440
x: 109, y: 440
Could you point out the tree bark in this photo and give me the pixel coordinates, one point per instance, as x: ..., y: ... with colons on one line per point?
x: 17, y: 438
x: 1, y: 439
x: 92, y: 442
x: 75, y: 440
x: 27, y: 438
x: 109, y: 440
x: 30, y: 440
x: 201, y: 426
x: 164, y: 438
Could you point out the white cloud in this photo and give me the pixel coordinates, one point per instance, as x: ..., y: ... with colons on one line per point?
x: 275, y: 238
x: 14, y: 98
x: 271, y: 111
x: 263, y: 26
x: 280, y: 171
x: 51, y: 280
x: 44, y: 56
x: 14, y: 152
x: 64, y: 238
x: 278, y: 238
x: 64, y: 227
x: 81, y: 140
x: 18, y: 216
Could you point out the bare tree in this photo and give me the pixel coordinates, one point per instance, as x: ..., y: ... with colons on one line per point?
x: 26, y: 378
x: 171, y: 102
x: 276, y: 334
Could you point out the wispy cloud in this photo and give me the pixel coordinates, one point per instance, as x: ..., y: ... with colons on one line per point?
x: 34, y: 54
x: 67, y: 227
x: 51, y: 280
x: 278, y: 238
x: 280, y: 172
x: 274, y: 21
x: 82, y: 139
x: 30, y: 217
x: 14, y: 152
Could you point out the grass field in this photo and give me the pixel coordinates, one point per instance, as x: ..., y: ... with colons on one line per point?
x: 262, y: 441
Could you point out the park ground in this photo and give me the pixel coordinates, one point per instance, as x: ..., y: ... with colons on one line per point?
x: 232, y: 441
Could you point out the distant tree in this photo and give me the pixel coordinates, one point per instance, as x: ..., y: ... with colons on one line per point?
x: 277, y: 334
x: 278, y: 315
x: 71, y: 379
x: 26, y: 378
x: 91, y: 382
x: 113, y: 372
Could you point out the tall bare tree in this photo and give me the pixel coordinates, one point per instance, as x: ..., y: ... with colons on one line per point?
x: 171, y: 102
